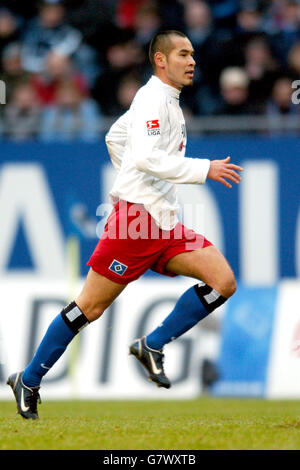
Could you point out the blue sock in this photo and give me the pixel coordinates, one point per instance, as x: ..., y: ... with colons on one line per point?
x: 54, y: 343
x: 59, y: 334
x: 194, y: 305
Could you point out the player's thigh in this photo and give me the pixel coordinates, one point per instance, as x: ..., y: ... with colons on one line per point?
x: 97, y: 294
x: 206, y: 264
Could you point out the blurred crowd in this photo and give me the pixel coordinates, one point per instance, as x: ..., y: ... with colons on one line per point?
x: 67, y: 64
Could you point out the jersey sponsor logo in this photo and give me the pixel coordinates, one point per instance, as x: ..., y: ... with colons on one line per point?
x: 153, y: 127
x: 117, y: 267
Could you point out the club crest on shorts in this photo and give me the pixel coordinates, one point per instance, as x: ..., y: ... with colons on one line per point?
x: 117, y: 267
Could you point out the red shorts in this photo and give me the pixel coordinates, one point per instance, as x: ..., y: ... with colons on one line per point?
x: 132, y: 243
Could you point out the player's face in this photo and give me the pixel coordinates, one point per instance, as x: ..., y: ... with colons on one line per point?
x: 180, y: 63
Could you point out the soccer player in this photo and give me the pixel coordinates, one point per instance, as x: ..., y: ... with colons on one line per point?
x: 147, y: 146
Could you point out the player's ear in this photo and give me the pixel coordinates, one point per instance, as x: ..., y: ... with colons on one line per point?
x: 160, y: 60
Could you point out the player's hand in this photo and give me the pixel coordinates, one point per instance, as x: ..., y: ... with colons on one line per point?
x: 222, y: 170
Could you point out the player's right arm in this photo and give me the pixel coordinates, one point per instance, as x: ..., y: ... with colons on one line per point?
x: 116, y: 139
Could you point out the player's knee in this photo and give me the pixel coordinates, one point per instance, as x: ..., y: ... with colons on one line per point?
x: 228, y: 287
x: 91, y: 310
x: 94, y: 313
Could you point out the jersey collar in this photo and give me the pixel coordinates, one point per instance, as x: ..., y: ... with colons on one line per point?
x: 170, y: 90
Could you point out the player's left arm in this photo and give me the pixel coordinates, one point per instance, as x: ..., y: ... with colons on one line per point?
x: 150, y: 133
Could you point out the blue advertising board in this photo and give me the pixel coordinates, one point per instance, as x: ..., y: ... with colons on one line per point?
x: 246, y: 333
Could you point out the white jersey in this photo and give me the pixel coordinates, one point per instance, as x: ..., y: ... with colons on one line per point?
x: 147, y: 147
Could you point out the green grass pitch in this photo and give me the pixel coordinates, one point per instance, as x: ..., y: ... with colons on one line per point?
x: 204, y: 423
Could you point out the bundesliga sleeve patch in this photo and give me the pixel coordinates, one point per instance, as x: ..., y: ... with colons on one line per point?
x: 153, y: 127
x: 117, y: 267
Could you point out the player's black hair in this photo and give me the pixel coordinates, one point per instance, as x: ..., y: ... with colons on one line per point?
x: 162, y: 42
